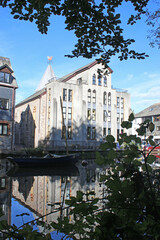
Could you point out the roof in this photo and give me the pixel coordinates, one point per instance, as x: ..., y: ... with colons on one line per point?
x: 80, y: 70
x: 33, y: 96
x: 150, y: 111
x: 48, y: 75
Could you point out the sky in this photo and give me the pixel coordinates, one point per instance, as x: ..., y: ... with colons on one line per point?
x: 28, y: 50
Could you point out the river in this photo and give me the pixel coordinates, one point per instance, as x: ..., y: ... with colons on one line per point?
x: 35, y: 191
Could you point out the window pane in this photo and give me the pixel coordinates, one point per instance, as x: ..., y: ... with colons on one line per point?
x: 1, y: 77
x: 99, y: 81
x: 105, y: 81
x: 94, y: 96
x: 5, y: 128
x: 6, y: 77
x: 89, y: 114
x: 70, y: 95
x: 93, y: 132
x: 64, y: 94
x: 94, y: 79
x: 94, y: 114
x: 69, y: 113
x: 89, y: 95
x: 0, y: 129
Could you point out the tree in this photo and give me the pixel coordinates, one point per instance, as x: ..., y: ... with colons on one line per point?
x: 96, y: 24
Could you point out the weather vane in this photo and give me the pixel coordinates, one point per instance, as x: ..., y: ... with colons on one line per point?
x: 49, y: 59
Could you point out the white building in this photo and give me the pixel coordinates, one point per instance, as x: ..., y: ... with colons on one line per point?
x: 90, y: 107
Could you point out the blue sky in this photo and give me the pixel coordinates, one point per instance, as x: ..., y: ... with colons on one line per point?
x: 28, y: 50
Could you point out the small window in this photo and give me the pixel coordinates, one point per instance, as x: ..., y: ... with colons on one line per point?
x: 2, y: 183
x: 158, y: 128
x: 104, y: 132
x: 3, y: 129
x: 118, y: 134
x: 109, y: 98
x: 64, y: 112
x: 88, y: 132
x: 117, y: 102
x: 118, y: 118
x: 69, y: 113
x: 109, y: 131
x: 122, y: 117
x: 109, y: 116
x: 94, y: 79
x: 93, y: 133
x: 4, y: 77
x: 105, y: 81
x: 70, y: 95
x: 64, y: 94
x: 89, y: 114
x: 4, y: 103
x: 122, y: 103
x: 104, y: 98
x: 104, y: 115
x: 94, y: 96
x: 69, y: 132
x: 89, y: 95
x: 99, y: 80
x: 94, y: 114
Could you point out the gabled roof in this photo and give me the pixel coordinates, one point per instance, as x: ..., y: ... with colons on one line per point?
x: 6, y: 66
x: 153, y: 110
x: 32, y: 97
x: 48, y: 75
x: 80, y: 70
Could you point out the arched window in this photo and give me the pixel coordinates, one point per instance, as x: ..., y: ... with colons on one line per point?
x: 104, y: 98
x: 105, y: 81
x: 89, y: 95
x: 94, y: 96
x: 99, y: 80
x: 94, y: 79
x: 109, y: 98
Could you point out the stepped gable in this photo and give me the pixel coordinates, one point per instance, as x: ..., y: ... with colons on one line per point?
x: 47, y: 76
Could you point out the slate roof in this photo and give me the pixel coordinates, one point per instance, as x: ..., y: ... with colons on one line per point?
x: 80, y: 70
x: 33, y: 96
x: 153, y: 110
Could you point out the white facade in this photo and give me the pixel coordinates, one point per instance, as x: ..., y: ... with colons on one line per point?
x: 91, y: 109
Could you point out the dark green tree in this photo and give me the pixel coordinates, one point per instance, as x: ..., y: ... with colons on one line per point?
x: 96, y: 24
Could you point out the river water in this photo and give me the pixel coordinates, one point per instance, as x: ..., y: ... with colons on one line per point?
x: 35, y: 191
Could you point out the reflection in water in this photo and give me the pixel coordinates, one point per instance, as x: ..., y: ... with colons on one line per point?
x: 40, y: 191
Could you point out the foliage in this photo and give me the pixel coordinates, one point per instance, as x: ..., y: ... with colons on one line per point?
x: 130, y: 207
x: 153, y: 20
x: 97, y: 25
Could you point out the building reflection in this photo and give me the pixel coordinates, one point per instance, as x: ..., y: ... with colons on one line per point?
x: 40, y: 193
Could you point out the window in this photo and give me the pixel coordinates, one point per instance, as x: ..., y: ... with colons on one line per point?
x: 94, y: 114
x: 118, y: 118
x: 105, y: 81
x: 94, y: 79
x: 4, y: 103
x: 64, y: 94
x: 70, y: 95
x: 69, y: 133
x: 4, y: 77
x: 94, y: 96
x: 158, y: 128
x: 3, y: 129
x: 2, y: 183
x: 99, y: 80
x: 89, y: 95
x: 122, y: 117
x: 88, y: 132
x: 64, y: 112
x: 122, y: 103
x: 109, y: 116
x: 104, y: 132
x: 109, y: 131
x: 69, y: 113
x: 117, y: 102
x: 104, y: 115
x: 89, y: 114
x: 104, y: 98
x: 117, y: 134
x: 93, y: 133
x: 109, y: 98
x: 63, y: 132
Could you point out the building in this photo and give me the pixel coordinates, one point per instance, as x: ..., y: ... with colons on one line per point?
x: 153, y: 114
x: 81, y: 107
x: 8, y: 86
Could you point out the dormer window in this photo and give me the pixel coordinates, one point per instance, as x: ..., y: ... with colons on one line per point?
x: 4, y: 77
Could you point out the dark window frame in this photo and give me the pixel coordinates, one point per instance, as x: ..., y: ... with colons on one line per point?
x: 5, y: 102
x: 2, y: 132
